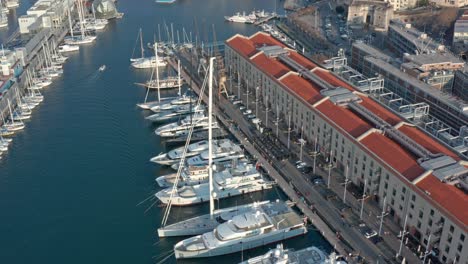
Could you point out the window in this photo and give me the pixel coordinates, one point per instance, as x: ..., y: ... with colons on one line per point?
x: 413, y: 197
x: 419, y: 224
x: 444, y: 258
x: 462, y: 237
x: 449, y: 239
x: 430, y: 222
x: 432, y: 212
x: 446, y: 249
x: 403, y: 190
x: 412, y: 206
x: 451, y: 228
x: 460, y: 247
x: 421, y: 214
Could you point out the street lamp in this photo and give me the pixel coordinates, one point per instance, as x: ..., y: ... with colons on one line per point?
x: 315, y: 154
x: 345, y: 183
x: 384, y: 213
x: 402, y: 236
x: 363, y: 197
x: 302, y: 141
x: 330, y: 165
x: 238, y: 86
x: 256, y: 100
x: 289, y: 128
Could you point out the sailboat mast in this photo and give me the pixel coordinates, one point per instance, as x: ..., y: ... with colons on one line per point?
x: 141, y: 44
x: 157, y: 70
x: 178, y: 71
x: 210, y: 137
x: 70, y: 23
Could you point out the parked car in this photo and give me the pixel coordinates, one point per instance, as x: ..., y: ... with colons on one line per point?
x: 242, y: 107
x: 247, y: 112
x: 236, y: 102
x: 251, y: 116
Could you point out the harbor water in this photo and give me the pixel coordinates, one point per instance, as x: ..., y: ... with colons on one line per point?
x: 72, y: 180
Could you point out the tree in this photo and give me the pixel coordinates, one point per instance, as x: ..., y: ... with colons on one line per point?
x: 422, y: 3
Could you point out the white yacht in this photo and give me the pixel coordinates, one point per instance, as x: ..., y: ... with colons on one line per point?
x: 146, y: 63
x: 12, y: 4
x: 207, y: 222
x: 226, y: 184
x: 151, y: 104
x: 164, y: 83
x: 181, y: 100
x: 177, y: 112
x: 241, y: 18
x: 226, y: 151
x: 176, y: 154
x: 310, y: 255
x: 270, y: 223
x: 80, y: 39
x: 197, y: 121
x: 193, y: 175
x: 68, y: 48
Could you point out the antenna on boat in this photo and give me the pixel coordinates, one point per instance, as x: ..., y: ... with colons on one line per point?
x: 210, y: 137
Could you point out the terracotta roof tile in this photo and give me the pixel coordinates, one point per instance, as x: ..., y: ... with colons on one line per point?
x: 302, y: 60
x: 426, y: 141
x: 302, y: 88
x: 332, y: 79
x: 380, y: 111
x: 344, y: 118
x: 242, y: 45
x: 393, y: 154
x: 260, y: 39
x: 271, y: 66
x: 447, y: 196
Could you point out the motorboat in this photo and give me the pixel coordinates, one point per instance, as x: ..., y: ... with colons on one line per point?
x: 102, y: 68
x: 206, y: 223
x: 226, y: 184
x: 151, y: 104
x: 269, y: 223
x: 310, y: 255
x: 175, y: 155
x: 164, y: 83
x: 68, y: 48
x: 181, y: 100
x: 193, y: 175
x: 80, y: 39
x: 177, y: 112
x: 226, y: 151
x: 240, y: 18
x: 195, y: 121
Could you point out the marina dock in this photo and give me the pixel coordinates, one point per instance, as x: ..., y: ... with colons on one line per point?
x: 242, y: 136
x: 265, y: 19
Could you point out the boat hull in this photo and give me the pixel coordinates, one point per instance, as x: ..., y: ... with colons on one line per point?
x: 240, y: 245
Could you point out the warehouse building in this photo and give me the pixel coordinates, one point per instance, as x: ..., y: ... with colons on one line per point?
x: 420, y: 178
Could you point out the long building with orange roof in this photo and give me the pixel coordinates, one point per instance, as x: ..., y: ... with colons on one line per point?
x: 420, y: 178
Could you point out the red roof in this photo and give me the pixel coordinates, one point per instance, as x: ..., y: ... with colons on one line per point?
x: 380, y: 111
x: 261, y: 39
x: 426, y: 141
x: 302, y: 60
x: 447, y: 196
x: 271, y: 66
x: 344, y: 118
x: 302, y: 88
x: 332, y: 79
x: 242, y: 45
x: 393, y: 154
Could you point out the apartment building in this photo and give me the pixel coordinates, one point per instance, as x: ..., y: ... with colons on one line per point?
x: 403, y: 38
x: 460, y: 29
x: 417, y: 177
x: 402, y: 4
x: 450, y: 3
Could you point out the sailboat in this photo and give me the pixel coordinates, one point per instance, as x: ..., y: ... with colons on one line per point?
x: 164, y: 83
x: 204, y: 223
x: 13, y: 125
x: 140, y: 36
x: 80, y: 39
x: 150, y: 62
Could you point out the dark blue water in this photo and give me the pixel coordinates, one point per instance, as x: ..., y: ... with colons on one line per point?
x: 71, y: 181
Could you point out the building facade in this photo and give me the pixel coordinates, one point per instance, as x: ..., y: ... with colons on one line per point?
x: 376, y: 14
x: 460, y: 84
x: 460, y: 30
x: 407, y: 171
x: 402, y: 4
x: 450, y: 3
